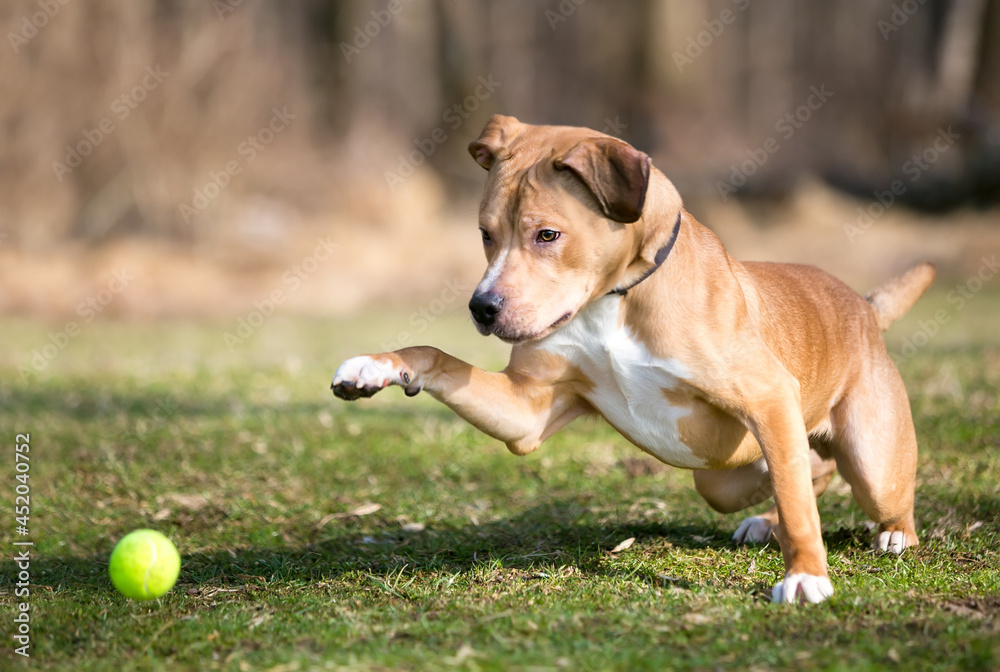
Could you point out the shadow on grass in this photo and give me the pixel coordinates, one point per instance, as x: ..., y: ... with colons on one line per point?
x: 547, y: 536
x: 543, y: 538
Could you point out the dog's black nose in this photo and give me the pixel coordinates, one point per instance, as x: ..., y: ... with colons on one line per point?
x: 485, y: 307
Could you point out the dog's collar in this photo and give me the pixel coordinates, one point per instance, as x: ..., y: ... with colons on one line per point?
x: 661, y: 256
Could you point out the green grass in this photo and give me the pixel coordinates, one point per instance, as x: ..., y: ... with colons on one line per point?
x: 476, y: 559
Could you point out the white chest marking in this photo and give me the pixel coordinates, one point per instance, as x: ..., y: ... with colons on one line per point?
x: 628, y: 380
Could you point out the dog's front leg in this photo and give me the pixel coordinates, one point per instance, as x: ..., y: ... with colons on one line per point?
x: 520, y: 410
x: 781, y: 433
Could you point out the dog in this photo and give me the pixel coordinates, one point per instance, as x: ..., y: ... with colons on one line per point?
x: 763, y: 378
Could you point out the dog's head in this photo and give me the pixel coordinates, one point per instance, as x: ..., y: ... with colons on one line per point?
x: 565, y: 219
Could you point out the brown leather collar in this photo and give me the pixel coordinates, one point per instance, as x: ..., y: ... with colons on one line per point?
x: 661, y: 256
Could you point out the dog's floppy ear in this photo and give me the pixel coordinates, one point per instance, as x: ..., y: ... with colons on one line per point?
x: 613, y: 171
x: 494, y: 140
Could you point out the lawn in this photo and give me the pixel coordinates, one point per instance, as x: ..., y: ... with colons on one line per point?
x: 387, y: 534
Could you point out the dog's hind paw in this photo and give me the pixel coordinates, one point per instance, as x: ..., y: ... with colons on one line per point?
x: 801, y: 588
x: 754, y: 530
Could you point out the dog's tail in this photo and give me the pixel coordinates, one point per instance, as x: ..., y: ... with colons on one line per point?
x: 897, y: 296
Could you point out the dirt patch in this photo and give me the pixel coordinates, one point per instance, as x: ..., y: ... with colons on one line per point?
x: 976, y: 608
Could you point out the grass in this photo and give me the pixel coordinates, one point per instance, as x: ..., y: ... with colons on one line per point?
x: 472, y: 559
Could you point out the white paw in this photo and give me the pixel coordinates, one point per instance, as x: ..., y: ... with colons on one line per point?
x: 364, y: 376
x: 890, y: 542
x: 754, y: 530
x: 799, y: 588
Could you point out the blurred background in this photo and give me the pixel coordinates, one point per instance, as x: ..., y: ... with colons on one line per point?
x: 220, y: 154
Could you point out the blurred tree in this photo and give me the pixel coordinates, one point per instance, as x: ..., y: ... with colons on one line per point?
x: 707, y: 87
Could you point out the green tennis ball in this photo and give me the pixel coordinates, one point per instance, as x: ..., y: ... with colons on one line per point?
x: 144, y: 565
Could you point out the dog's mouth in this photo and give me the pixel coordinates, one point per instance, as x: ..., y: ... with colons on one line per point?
x: 518, y: 338
x: 564, y: 318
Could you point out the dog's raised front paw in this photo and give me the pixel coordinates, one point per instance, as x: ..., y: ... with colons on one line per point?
x: 801, y: 588
x: 365, y: 375
x: 754, y: 530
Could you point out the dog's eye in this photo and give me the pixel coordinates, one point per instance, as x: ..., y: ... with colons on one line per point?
x: 486, y: 236
x: 547, y: 235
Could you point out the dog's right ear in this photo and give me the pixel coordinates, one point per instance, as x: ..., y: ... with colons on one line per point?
x: 494, y: 140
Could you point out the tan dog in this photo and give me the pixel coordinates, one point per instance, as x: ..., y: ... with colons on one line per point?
x: 763, y: 378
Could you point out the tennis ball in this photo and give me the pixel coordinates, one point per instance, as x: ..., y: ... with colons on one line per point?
x: 144, y: 565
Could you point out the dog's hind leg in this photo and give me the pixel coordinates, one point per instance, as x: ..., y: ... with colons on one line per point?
x: 876, y: 451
